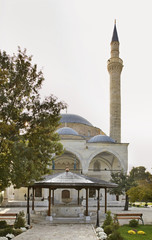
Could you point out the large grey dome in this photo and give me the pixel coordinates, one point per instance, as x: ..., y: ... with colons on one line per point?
x: 66, y: 131
x: 73, y: 118
x: 101, y: 138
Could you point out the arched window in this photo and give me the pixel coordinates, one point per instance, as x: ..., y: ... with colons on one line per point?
x: 65, y: 194
x: 96, y: 166
x: 92, y: 193
x: 38, y: 192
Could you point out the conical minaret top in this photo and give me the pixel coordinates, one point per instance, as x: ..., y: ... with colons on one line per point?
x: 115, y: 65
x: 115, y: 34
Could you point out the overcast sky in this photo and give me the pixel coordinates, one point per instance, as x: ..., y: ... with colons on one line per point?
x: 70, y: 42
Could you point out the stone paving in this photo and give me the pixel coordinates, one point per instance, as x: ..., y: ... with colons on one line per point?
x: 58, y: 232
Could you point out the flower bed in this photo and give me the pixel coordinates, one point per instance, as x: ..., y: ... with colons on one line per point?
x: 138, y: 233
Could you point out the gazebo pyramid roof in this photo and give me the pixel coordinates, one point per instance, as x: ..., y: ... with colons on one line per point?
x: 71, y: 180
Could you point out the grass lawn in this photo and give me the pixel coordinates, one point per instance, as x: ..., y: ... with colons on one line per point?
x: 146, y: 228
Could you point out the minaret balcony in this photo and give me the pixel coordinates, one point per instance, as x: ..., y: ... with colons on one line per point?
x: 115, y: 60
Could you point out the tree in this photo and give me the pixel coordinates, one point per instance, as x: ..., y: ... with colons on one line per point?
x: 125, y: 182
x: 139, y: 173
x: 142, y: 192
x: 27, y: 125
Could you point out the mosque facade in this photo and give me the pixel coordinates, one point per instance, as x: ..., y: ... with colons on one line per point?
x: 87, y: 149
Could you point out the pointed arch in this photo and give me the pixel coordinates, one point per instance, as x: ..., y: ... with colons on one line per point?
x: 112, y: 152
x: 68, y: 159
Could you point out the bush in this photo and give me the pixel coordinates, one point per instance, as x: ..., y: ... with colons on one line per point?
x: 19, y: 222
x: 115, y: 236
x: 108, y: 229
x: 108, y: 220
x: 21, y: 213
x: 16, y: 232
x: 115, y: 223
x: 3, y: 224
x: 1, y: 198
x: 133, y: 223
x: 5, y: 231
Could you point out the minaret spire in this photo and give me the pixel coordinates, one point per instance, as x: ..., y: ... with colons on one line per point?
x: 115, y: 34
x: 115, y: 65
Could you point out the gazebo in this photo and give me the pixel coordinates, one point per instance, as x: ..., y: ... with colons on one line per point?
x: 69, y: 180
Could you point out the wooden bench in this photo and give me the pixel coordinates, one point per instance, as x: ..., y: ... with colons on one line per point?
x: 137, y: 216
x: 10, y: 216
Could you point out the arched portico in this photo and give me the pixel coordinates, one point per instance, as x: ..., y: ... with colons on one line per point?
x: 110, y: 152
x: 102, y: 164
x: 69, y: 159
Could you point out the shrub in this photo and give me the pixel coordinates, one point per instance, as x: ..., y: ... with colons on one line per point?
x: 141, y: 232
x: 3, y: 224
x: 21, y: 213
x: 133, y: 223
x: 5, y: 231
x: 19, y: 222
x: 132, y: 232
x: 115, y: 236
x: 108, y: 220
x: 115, y: 222
x: 16, y: 232
x: 1, y: 198
x: 108, y: 229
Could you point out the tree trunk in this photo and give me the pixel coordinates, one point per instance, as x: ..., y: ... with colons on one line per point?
x: 117, y: 197
x: 126, y: 203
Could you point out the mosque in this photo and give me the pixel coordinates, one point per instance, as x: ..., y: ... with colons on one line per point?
x: 88, y: 150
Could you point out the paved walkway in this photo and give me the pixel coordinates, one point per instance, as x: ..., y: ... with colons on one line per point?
x: 58, y: 232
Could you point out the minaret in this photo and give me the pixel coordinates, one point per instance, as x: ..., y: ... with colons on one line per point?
x: 115, y: 65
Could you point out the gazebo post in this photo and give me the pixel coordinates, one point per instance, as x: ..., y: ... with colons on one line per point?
x: 28, y: 205
x: 32, y: 200
x: 53, y: 197
x: 78, y: 197
x: 49, y: 209
x: 86, y: 201
x: 105, y: 200
x: 49, y: 216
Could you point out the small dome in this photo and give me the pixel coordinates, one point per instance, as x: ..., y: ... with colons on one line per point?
x: 101, y: 138
x: 66, y: 131
x: 73, y: 118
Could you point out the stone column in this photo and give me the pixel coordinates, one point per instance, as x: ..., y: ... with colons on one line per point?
x: 45, y: 193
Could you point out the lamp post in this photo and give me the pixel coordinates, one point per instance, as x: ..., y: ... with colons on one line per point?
x: 28, y: 205
x: 98, y: 208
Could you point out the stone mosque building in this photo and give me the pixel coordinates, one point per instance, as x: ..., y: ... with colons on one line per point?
x: 88, y: 150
